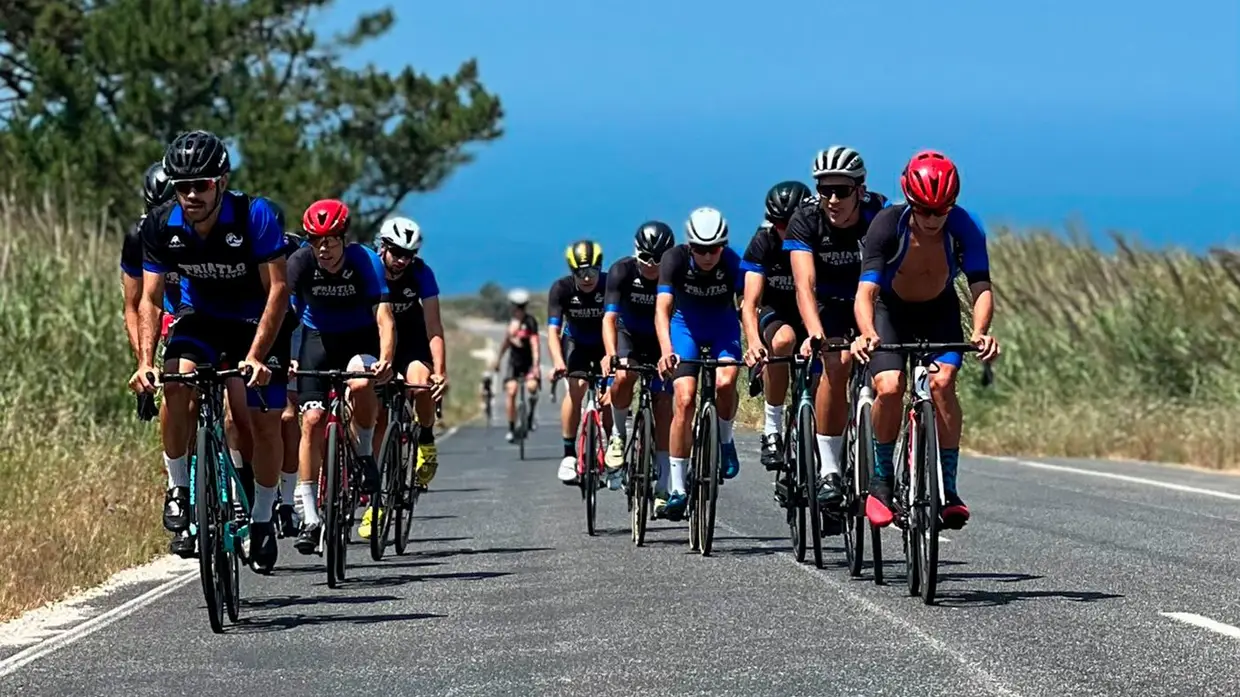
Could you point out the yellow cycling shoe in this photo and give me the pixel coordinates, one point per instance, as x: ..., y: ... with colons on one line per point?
x: 428, y: 463
x: 363, y: 530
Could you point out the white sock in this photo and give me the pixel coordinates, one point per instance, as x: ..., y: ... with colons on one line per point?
x: 264, y: 500
x: 829, y: 453
x: 288, y: 488
x: 774, y: 422
x: 725, y: 431
x: 236, y: 457
x: 178, y: 470
x: 308, y: 492
x: 676, y: 469
x: 620, y: 417
x: 662, y: 463
x: 365, y: 441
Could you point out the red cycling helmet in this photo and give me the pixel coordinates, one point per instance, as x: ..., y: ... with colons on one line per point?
x: 328, y: 217
x: 930, y: 180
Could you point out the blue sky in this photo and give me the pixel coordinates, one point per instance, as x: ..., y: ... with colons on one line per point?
x: 1120, y: 114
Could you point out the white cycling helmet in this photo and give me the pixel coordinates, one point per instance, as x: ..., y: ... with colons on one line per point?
x: 839, y: 161
x: 707, y: 227
x: 518, y: 296
x: 402, y: 233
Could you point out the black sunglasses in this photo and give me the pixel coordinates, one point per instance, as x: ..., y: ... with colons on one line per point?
x: 705, y: 249
x: 397, y: 252
x: 185, y: 186
x: 840, y: 191
x: 648, y: 258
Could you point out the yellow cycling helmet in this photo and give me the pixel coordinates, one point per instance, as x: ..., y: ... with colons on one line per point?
x: 584, y: 254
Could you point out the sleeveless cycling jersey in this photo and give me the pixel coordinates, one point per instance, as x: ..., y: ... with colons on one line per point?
x: 964, y: 243
x: 580, y: 314
x: 837, y: 252
x: 340, y: 302
x: 219, y: 274
x: 631, y: 296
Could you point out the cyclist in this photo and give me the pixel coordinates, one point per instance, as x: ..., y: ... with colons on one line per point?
x: 341, y: 295
x: 575, y: 339
x: 628, y: 333
x: 912, y: 255
x: 420, y: 348
x: 227, y: 249
x: 824, y: 245
x: 524, y: 352
x: 695, y: 311
x: 290, y: 428
x: 769, y: 309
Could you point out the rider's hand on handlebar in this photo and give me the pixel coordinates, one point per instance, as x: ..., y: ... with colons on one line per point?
x: 440, y: 386
x: 755, y: 354
x: 143, y: 380
x: 608, y: 365
x: 863, y: 346
x: 667, y: 363
x: 807, y: 346
x: 259, y: 373
x: 382, y: 370
x: 560, y: 370
x: 987, y: 346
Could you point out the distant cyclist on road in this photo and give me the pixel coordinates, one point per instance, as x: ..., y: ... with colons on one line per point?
x: 824, y: 244
x: 227, y: 248
x: 696, y: 311
x: 341, y: 294
x: 913, y: 253
x: 421, y: 354
x: 769, y: 313
x: 628, y: 333
x: 575, y: 339
x: 521, y: 345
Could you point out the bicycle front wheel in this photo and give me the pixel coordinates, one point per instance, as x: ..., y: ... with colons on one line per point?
x: 787, y: 477
x: 383, y: 504
x: 333, y: 513
x: 210, y: 540
x: 406, y: 489
x: 909, y: 446
x: 807, y: 460
x: 860, y: 464
x: 589, y: 474
x: 928, y: 496
x: 641, y: 475
x: 706, y: 452
x: 522, y: 421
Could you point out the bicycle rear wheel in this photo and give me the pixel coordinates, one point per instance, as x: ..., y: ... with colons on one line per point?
x: 333, y: 513
x: 789, y: 476
x: 641, y: 475
x: 928, y: 496
x: 859, y: 465
x: 210, y: 541
x: 407, y: 489
x: 383, y: 504
x: 807, y: 460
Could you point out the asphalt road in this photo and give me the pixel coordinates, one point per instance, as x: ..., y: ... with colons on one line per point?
x: 1057, y: 587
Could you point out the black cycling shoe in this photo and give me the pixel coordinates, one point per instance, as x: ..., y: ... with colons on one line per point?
x: 287, y: 527
x: 830, y: 491
x: 176, y: 509
x: 183, y: 545
x: 370, y: 474
x: 263, y: 548
x: 772, y: 452
x: 308, y: 539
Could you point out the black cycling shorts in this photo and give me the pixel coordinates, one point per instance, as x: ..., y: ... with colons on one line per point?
x: 412, y: 344
x: 899, y: 322
x: 836, y: 317
x: 582, y: 357
x: 330, y: 351
x: 519, y: 366
x: 639, y: 348
x: 204, y: 339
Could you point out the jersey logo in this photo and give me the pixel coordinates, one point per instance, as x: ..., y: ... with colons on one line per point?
x: 232, y: 239
x: 408, y: 292
x: 348, y: 273
x: 574, y: 300
x: 175, y: 243
x: 598, y: 297
x: 718, y: 273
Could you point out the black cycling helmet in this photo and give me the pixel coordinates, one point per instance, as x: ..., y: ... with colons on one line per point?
x: 196, y: 155
x: 156, y: 188
x: 653, y: 238
x: 783, y: 200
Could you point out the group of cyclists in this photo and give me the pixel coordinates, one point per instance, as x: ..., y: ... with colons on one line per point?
x: 213, y: 276
x: 837, y: 264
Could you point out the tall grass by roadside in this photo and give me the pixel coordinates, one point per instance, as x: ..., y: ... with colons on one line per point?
x: 80, y: 476
x: 1132, y: 353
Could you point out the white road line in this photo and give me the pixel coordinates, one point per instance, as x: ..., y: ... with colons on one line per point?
x: 1120, y: 477
x: 1204, y: 623
x: 84, y: 629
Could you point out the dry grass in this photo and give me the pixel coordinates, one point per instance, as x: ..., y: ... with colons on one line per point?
x: 80, y: 477
x: 1128, y: 354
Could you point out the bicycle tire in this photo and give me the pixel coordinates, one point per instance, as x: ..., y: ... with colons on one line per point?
x: 590, y: 470
x: 331, y: 512
x: 232, y: 585
x: 407, y: 488
x: 206, y: 511
x: 807, y: 459
x: 789, y: 475
x: 908, y: 444
x: 693, y: 491
x: 640, y: 477
x: 709, y: 480
x: 381, y: 504
x: 522, y: 421
x: 860, y: 464
x: 930, y: 511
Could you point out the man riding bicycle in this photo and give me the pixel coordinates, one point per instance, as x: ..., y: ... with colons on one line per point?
x: 769, y: 313
x: 906, y: 294
x: 628, y: 333
x: 227, y: 248
x: 696, y: 312
x: 421, y: 354
x: 575, y: 339
x: 824, y: 245
x: 524, y: 352
x: 341, y: 294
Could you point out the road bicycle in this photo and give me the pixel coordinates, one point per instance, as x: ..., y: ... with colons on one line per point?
x: 392, y: 508
x: 591, y: 445
x: 639, y: 460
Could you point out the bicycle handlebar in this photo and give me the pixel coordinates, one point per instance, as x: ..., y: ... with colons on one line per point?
x: 208, y: 374
x: 926, y: 347
x: 709, y: 362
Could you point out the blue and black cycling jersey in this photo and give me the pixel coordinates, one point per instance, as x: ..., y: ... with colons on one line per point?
x: 837, y: 252
x: 219, y: 273
x: 766, y: 257
x: 344, y: 301
x: 631, y: 296
x: 964, y: 247
x: 131, y: 266
x: 577, y: 313
x: 408, y: 291
x: 701, y: 295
